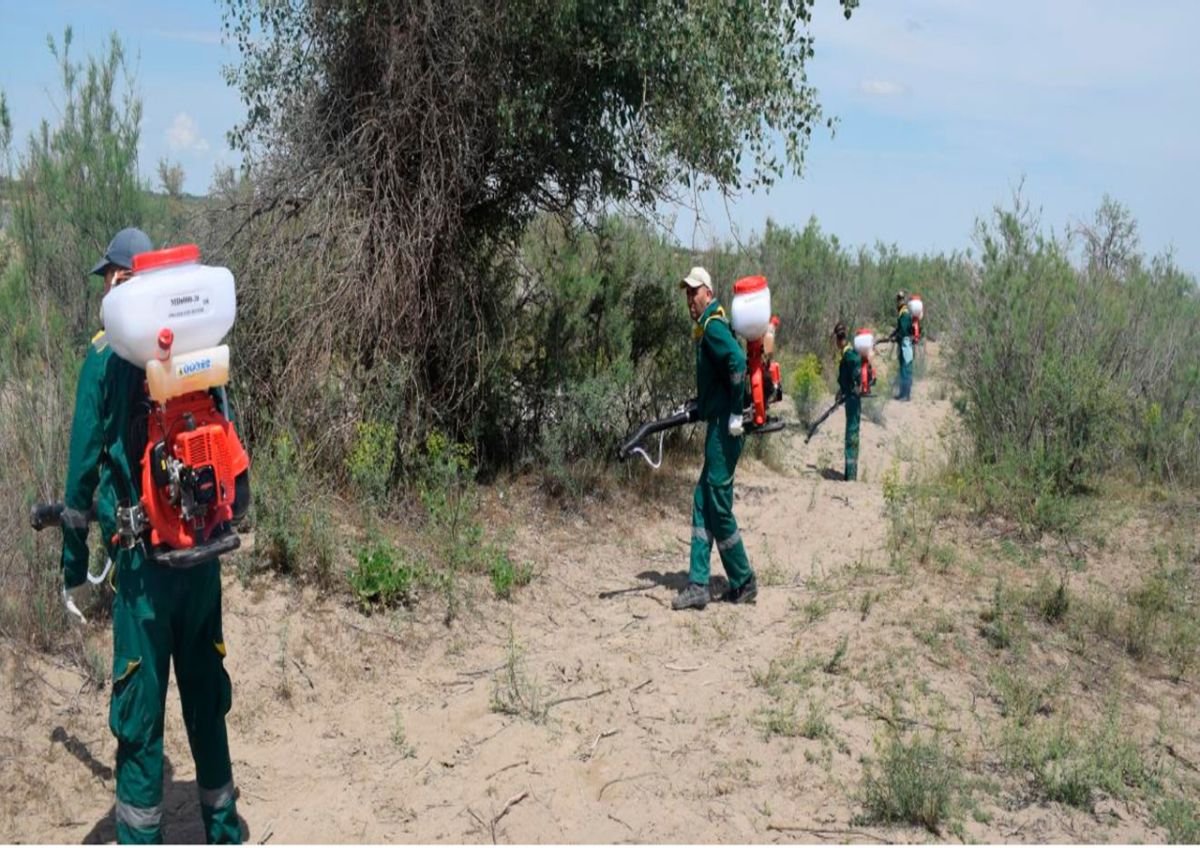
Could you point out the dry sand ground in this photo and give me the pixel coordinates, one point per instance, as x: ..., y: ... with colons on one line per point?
x: 348, y: 728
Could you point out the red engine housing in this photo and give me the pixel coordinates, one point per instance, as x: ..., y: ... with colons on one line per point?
x: 765, y: 377
x: 194, y: 432
x: 867, y: 372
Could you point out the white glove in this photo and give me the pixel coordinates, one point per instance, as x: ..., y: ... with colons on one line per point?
x: 736, y: 428
x: 72, y: 598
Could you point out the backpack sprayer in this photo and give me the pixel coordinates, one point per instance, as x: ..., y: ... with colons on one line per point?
x: 750, y: 318
x: 916, y: 310
x: 864, y: 346
x: 169, y: 318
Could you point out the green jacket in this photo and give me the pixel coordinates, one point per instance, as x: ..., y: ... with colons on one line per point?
x: 720, y: 366
x: 849, y: 371
x: 904, y: 324
x: 105, y: 429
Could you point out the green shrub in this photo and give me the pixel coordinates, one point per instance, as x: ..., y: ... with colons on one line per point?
x: 372, y: 460
x: 807, y: 387
x: 1053, y: 387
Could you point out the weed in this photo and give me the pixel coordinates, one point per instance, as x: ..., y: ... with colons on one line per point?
x: 400, y: 738
x: 815, y: 610
x: 864, y: 606
x: 771, y: 574
x: 816, y: 723
x: 98, y: 665
x: 780, y: 721
x: 944, y: 557
x: 914, y: 783
x: 505, y: 574
x: 1181, y: 818
x: 1049, y: 601
x: 784, y: 671
x: 942, y: 625
x: 808, y: 387
x: 1020, y: 696
x: 372, y: 459
x: 293, y: 534
x: 1001, y: 626
x: 514, y: 692
x: 1070, y: 767
x: 835, y: 663
x: 382, y: 577
x: 283, y: 687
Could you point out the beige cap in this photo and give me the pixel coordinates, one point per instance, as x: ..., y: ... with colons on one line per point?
x: 697, y: 277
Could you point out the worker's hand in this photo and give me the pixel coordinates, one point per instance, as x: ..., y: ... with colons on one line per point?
x: 736, y: 427
x: 840, y: 397
x: 72, y: 598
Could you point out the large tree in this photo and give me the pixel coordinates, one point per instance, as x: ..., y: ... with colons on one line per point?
x: 396, y: 145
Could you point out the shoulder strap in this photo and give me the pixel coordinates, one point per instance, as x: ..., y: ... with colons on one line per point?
x: 718, y: 314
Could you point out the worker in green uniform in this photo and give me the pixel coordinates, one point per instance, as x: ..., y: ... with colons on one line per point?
x: 849, y: 378
x: 159, y: 613
x: 903, y: 337
x: 720, y: 387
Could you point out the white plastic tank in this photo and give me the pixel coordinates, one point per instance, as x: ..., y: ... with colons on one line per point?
x: 915, y: 307
x: 750, y: 310
x: 187, y: 372
x: 864, y: 342
x: 170, y: 290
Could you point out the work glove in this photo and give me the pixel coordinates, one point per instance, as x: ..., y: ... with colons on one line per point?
x: 736, y: 427
x: 840, y: 397
x: 72, y: 598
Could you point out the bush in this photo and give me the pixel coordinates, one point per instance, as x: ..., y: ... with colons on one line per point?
x: 294, y: 531
x: 1055, y: 387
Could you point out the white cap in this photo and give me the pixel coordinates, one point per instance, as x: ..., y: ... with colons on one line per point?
x: 697, y: 277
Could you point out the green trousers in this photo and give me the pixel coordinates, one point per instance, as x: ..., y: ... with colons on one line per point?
x: 712, y: 510
x: 906, y: 369
x: 853, y: 417
x: 162, y: 613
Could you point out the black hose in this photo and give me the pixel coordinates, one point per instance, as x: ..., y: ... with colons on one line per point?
x: 688, y: 415
x: 45, y: 515
x: 813, y: 429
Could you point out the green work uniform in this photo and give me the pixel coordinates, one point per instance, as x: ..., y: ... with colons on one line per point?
x: 159, y: 613
x: 904, y: 349
x: 720, y: 374
x: 849, y: 375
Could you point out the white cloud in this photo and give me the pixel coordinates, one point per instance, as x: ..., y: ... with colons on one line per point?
x: 184, y: 135
x: 881, y: 88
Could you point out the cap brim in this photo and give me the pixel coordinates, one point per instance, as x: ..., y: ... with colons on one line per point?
x: 686, y: 283
x: 100, y: 267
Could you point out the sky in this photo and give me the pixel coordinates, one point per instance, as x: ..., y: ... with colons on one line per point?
x: 944, y: 107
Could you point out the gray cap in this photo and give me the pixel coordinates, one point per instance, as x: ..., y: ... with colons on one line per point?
x: 121, y: 250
